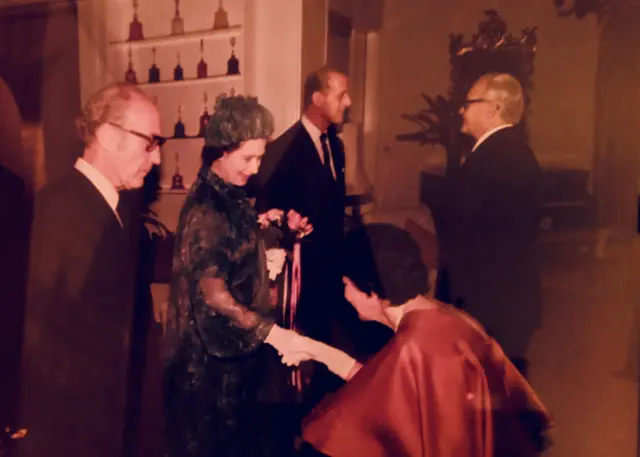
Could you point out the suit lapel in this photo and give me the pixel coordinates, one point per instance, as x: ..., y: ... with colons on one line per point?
x: 312, y: 157
x: 97, y: 207
x: 308, y: 148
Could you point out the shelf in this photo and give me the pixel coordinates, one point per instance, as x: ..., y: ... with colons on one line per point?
x: 169, y: 191
x: 173, y: 138
x: 175, y: 39
x: 193, y: 81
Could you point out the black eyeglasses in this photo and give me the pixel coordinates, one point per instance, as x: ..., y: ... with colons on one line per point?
x: 467, y: 103
x: 153, y: 141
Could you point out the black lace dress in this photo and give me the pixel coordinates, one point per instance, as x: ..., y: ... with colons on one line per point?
x: 216, y: 379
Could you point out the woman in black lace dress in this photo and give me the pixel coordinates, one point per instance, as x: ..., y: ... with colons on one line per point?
x: 216, y: 373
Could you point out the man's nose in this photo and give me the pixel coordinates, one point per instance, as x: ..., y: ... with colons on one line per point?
x: 155, y: 156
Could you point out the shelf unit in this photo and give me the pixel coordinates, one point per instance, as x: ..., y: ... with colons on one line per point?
x: 184, y: 96
x: 193, y: 81
x: 169, y: 191
x: 183, y: 138
x: 186, y: 37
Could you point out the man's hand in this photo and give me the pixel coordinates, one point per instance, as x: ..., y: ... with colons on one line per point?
x: 160, y: 310
x: 273, y: 216
x: 298, y: 224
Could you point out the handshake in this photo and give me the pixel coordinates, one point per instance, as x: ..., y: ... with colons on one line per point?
x: 295, y: 348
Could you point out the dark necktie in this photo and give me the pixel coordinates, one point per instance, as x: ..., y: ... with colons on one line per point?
x: 326, y: 157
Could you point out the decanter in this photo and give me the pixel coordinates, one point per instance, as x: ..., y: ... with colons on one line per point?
x: 204, y: 117
x: 130, y: 75
x: 178, y: 72
x: 221, y: 18
x: 135, y: 26
x: 202, y: 65
x: 177, y: 23
x: 233, y: 64
x: 154, y: 71
x: 178, y: 128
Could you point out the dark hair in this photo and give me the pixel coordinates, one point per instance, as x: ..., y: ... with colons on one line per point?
x: 316, y: 81
x: 385, y: 259
x: 235, y: 119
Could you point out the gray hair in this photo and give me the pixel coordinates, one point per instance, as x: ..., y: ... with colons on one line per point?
x: 504, y: 88
x: 235, y: 119
x: 109, y: 104
x: 238, y: 119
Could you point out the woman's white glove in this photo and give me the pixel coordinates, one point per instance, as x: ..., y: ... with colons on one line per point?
x: 275, y: 262
x: 289, y: 345
x: 338, y: 362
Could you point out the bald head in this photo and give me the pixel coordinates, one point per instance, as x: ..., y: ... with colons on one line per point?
x: 495, y: 99
x: 112, y: 103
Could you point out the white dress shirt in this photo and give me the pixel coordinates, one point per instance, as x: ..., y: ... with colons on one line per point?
x: 314, y: 133
x: 104, y: 186
x: 488, y: 134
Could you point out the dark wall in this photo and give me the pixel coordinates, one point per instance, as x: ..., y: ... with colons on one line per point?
x: 39, y: 59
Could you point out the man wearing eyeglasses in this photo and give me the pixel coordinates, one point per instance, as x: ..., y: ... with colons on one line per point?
x: 494, y: 274
x: 80, y: 297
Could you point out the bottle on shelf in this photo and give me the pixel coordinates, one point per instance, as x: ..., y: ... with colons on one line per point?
x: 220, y: 18
x: 233, y: 64
x: 135, y: 26
x: 130, y: 75
x: 177, y: 23
x: 202, y: 65
x: 178, y: 72
x: 204, y: 117
x: 177, y: 180
x: 154, y: 71
x: 178, y: 128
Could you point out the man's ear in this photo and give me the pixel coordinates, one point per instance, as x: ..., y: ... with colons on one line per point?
x: 104, y: 134
x: 317, y: 98
x: 497, y: 112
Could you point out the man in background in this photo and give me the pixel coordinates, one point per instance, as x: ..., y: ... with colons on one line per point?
x: 80, y: 295
x: 303, y: 170
x: 495, y: 209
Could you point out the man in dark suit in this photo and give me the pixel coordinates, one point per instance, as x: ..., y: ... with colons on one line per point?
x: 80, y: 295
x: 303, y: 170
x: 494, y: 272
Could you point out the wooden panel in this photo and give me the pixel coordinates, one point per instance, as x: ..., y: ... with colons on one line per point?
x: 39, y: 61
